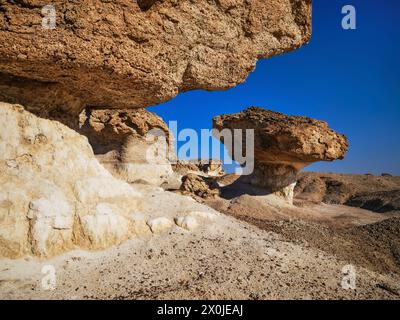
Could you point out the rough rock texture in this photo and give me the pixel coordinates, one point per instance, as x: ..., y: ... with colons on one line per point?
x: 54, y: 193
x: 199, y: 186
x: 210, y: 167
x: 135, y: 145
x: 131, y: 54
x: 283, y: 145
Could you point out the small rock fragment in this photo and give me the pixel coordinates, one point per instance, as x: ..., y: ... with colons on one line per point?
x: 189, y: 223
x: 159, y: 225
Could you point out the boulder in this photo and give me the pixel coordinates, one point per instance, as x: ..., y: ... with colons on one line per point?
x: 283, y: 145
x: 188, y: 223
x: 132, y: 54
x: 199, y: 186
x: 159, y: 225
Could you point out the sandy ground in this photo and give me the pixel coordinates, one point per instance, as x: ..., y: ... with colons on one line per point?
x: 223, y: 259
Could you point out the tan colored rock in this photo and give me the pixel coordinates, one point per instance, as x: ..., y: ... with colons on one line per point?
x: 54, y: 194
x: 210, y: 167
x: 131, y: 54
x: 199, y: 186
x: 375, y: 193
x: 283, y: 145
x: 135, y: 145
x: 139, y: 223
x: 188, y: 223
x: 104, y: 225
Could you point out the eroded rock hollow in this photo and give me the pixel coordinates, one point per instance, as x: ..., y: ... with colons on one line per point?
x: 134, y: 144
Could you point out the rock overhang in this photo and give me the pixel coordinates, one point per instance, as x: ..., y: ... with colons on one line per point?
x: 132, y: 54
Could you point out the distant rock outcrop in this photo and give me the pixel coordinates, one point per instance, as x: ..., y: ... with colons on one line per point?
x: 381, y: 201
x: 283, y: 145
x: 131, y: 54
x: 375, y: 193
x: 55, y: 195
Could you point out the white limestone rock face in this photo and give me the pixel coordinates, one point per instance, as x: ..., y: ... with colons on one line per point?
x: 159, y: 225
x: 188, y: 223
x: 104, y: 226
x: 54, y: 194
x: 145, y: 160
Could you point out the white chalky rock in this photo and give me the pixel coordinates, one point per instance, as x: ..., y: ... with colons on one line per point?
x: 104, y: 227
x: 203, y: 215
x: 188, y: 223
x: 104, y: 188
x: 54, y: 195
x: 139, y: 223
x: 159, y: 225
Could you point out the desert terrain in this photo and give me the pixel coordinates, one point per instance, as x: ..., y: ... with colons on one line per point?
x: 95, y: 202
x: 253, y: 247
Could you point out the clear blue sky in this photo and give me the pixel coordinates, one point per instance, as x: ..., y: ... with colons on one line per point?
x: 349, y: 78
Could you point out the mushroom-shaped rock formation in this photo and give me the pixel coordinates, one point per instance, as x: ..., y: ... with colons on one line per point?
x: 58, y: 59
x: 283, y: 145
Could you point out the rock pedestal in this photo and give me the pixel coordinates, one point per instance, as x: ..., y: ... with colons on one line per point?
x: 283, y: 145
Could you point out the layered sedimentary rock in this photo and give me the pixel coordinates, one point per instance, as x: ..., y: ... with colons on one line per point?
x: 283, y: 145
x: 134, y: 144
x: 130, y: 53
x: 54, y: 194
